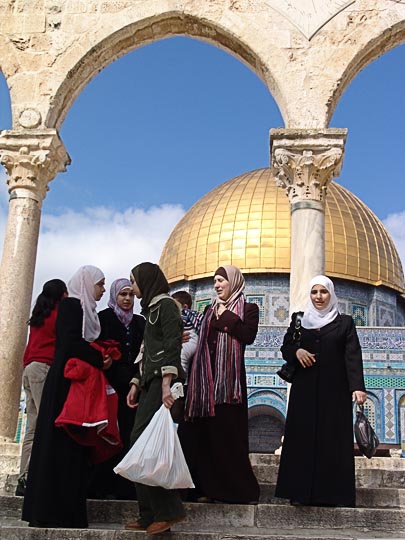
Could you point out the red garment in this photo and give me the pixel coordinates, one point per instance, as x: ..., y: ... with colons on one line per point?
x: 89, y: 414
x: 41, y: 341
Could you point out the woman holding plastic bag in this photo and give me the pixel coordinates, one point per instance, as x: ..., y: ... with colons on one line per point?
x: 159, y: 508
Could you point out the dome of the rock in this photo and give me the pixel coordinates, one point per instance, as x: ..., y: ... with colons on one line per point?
x: 246, y: 222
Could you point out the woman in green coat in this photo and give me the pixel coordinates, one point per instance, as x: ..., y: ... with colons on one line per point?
x: 159, y: 508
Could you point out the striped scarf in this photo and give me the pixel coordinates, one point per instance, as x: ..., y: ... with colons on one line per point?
x: 204, y: 390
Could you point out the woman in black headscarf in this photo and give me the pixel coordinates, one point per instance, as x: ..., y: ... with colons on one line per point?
x: 159, y: 508
x: 118, y: 322
x: 215, y: 436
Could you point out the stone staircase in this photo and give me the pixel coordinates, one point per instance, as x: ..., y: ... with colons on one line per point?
x: 380, y: 513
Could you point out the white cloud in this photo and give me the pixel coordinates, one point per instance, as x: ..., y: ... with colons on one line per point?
x: 112, y: 240
x: 395, y: 225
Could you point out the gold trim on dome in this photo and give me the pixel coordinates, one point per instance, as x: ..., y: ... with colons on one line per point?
x: 246, y: 222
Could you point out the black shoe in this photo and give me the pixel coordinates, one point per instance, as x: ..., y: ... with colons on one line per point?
x: 20, y: 489
x: 294, y: 502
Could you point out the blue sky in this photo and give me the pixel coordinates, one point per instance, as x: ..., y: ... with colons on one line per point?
x: 162, y: 126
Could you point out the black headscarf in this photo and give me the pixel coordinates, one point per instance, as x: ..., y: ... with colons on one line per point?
x: 151, y: 282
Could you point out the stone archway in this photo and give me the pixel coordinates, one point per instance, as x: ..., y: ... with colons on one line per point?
x: 401, y: 417
x: 48, y: 56
x: 107, y: 48
x: 374, y: 42
x: 266, y: 427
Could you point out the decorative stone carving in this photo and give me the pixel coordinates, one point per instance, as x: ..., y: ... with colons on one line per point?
x: 309, y: 16
x: 31, y: 161
x: 305, y: 161
x: 305, y: 176
x: 29, y: 118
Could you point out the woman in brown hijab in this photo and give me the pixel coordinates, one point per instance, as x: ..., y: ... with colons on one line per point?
x: 214, y: 436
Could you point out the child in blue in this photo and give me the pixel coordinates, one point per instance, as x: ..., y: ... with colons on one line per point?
x: 191, y: 324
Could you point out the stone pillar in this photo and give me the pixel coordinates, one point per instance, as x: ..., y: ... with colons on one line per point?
x: 31, y: 159
x: 304, y: 161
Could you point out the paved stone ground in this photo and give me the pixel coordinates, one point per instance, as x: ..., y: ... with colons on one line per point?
x: 380, y: 513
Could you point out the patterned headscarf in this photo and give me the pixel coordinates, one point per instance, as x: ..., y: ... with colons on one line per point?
x: 116, y: 287
x: 205, y: 390
x: 81, y: 286
x: 237, y: 282
x: 151, y: 282
x: 317, y: 318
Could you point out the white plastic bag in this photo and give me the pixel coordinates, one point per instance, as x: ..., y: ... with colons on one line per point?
x: 156, y: 458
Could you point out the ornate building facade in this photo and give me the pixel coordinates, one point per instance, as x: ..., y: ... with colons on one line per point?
x: 306, y: 53
x: 246, y: 222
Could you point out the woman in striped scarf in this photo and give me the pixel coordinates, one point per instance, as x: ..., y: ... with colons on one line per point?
x: 215, y: 434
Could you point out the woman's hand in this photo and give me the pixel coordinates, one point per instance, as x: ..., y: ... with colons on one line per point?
x: 359, y: 396
x: 305, y: 358
x: 131, y: 397
x: 185, y: 337
x: 107, y: 362
x: 167, y: 398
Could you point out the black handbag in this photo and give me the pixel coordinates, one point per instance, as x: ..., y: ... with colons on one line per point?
x: 365, y: 436
x: 287, y: 371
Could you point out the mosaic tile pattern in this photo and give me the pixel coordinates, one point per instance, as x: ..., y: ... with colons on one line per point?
x: 389, y: 420
x: 259, y: 300
x: 383, y: 344
x: 201, y: 304
x: 359, y: 314
x: 384, y: 366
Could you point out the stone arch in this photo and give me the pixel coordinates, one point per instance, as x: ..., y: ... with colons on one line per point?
x: 266, y: 427
x: 6, y: 103
x: 78, y: 69
x: 401, y: 422
x: 9, y: 64
x: 266, y: 421
x: 9, y: 61
x: 387, y: 39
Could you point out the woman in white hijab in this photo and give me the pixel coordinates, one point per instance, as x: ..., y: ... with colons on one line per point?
x: 57, y: 476
x: 317, y: 460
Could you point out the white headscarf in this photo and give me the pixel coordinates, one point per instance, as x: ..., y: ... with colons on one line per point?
x: 81, y: 286
x: 317, y: 318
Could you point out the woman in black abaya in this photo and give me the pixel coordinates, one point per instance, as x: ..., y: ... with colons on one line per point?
x: 317, y: 459
x: 58, y: 473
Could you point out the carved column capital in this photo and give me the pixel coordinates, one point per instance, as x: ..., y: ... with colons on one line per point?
x: 32, y: 159
x: 305, y: 161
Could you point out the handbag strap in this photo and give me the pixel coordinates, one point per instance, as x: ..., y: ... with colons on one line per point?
x: 297, y: 329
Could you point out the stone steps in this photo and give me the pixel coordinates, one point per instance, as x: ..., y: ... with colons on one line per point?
x: 18, y: 533
x: 365, y: 497
x: 380, y: 513
x: 370, y: 473
x: 389, y: 463
x: 365, y: 478
x: 260, y: 518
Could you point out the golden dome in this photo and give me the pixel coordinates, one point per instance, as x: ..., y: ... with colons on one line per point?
x: 246, y: 222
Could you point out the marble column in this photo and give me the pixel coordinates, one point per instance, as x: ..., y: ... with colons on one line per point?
x: 304, y: 161
x: 31, y: 159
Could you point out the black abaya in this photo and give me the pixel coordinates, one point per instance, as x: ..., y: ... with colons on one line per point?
x: 317, y: 460
x: 58, y: 471
x: 104, y: 482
